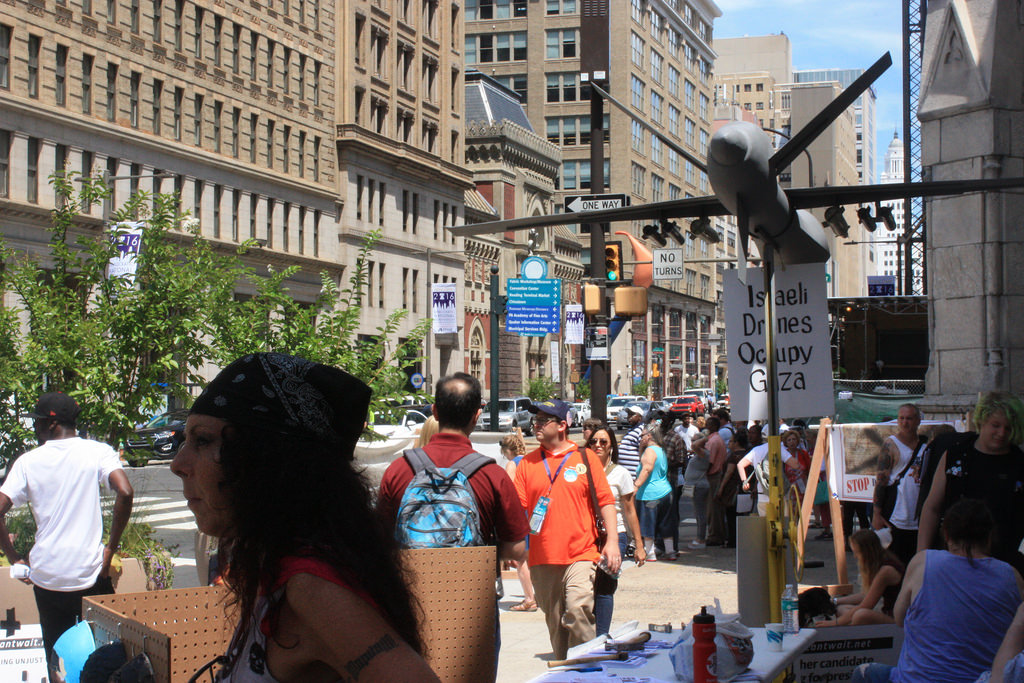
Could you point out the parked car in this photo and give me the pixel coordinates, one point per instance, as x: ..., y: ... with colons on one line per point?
x: 706, y: 395
x: 581, y: 412
x: 159, y: 438
x: 512, y: 412
x: 688, y: 403
x: 723, y: 401
x: 622, y: 417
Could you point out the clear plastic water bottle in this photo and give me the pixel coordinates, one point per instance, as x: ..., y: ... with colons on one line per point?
x: 790, y: 610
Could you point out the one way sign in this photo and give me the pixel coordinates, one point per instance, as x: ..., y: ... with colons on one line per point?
x: 595, y: 202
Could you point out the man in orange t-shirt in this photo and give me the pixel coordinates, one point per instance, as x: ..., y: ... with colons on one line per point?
x: 555, y: 491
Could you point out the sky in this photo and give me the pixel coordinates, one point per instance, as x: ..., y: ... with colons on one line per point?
x: 832, y: 35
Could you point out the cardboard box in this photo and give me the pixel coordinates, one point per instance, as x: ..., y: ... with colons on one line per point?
x: 180, y: 630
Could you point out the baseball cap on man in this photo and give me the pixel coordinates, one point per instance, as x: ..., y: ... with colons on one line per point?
x: 635, y: 409
x: 55, y: 406
x: 556, y: 407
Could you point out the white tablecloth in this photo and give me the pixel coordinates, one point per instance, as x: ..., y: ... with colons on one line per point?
x: 765, y: 667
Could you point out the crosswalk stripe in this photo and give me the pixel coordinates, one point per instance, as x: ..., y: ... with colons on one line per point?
x: 164, y: 516
x: 184, y: 526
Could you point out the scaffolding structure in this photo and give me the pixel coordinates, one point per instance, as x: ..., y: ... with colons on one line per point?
x: 911, y: 254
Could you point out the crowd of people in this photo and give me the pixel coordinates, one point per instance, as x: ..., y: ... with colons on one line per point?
x: 312, y: 554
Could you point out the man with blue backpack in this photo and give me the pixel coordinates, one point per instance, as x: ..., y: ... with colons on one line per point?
x: 446, y: 495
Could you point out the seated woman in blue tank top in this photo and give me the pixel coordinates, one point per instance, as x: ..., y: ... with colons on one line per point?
x: 954, y: 607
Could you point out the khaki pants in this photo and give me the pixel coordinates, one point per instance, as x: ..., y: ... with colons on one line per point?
x: 716, y: 511
x: 565, y: 593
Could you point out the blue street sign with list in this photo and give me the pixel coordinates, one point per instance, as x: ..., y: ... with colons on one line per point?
x: 534, y: 306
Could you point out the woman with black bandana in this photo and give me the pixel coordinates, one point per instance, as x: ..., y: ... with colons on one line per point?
x: 266, y: 467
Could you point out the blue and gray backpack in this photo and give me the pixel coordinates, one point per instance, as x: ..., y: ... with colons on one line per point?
x: 438, y: 508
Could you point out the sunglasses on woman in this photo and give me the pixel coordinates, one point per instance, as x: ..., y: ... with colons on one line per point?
x: 600, y: 442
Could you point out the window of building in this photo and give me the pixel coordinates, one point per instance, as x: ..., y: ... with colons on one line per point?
x: 197, y: 121
x: 218, y: 197
x: 561, y: 7
x: 60, y: 84
x: 236, y: 132
x: 286, y: 148
x: 5, y: 163
x: 657, y: 147
x: 158, y: 21
x: 673, y: 161
x: 236, y: 47
x: 656, y: 62
x: 637, y: 48
x: 111, y: 92
x: 637, y: 136
x: 515, y: 82
x: 703, y: 142
x: 673, y: 42
x: 691, y: 132
x: 286, y: 63
x: 656, y: 22
x: 656, y: 102
x: 218, y: 115
x: 197, y: 46
x: 179, y: 22
x: 636, y: 89
x: 637, y: 173
x: 703, y: 107
x: 637, y: 11
x: 673, y: 81
x: 34, y: 45
x: 179, y: 99
x: 32, y: 171
x: 5, y: 56
x: 561, y: 44
x: 673, y: 120
x: 134, y: 84
x: 689, y: 95
x: 565, y: 87
x: 133, y: 16
x: 316, y: 84
x: 270, y: 143
x: 254, y: 54
x: 316, y: 158
x: 218, y: 32
x: 271, y: 47
x: 111, y: 11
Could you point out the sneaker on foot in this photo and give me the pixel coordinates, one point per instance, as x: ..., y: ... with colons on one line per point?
x: 697, y: 545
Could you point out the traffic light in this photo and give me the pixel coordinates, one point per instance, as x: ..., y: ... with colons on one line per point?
x: 613, y: 261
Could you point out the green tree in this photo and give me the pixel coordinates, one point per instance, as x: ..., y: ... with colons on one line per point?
x: 641, y: 388
x: 117, y: 345
x: 582, y: 390
x: 541, y: 389
x: 325, y: 331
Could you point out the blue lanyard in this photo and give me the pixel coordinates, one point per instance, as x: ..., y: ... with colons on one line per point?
x: 554, y: 476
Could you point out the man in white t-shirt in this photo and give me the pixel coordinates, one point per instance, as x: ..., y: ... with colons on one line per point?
x: 899, y: 464
x: 61, y: 479
x: 687, y: 430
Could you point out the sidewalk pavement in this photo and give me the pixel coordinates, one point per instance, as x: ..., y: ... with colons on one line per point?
x: 659, y: 592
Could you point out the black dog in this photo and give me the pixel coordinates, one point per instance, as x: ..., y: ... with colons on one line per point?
x: 815, y: 602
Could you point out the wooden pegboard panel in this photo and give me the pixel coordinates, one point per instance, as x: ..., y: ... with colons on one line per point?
x: 455, y: 589
x: 180, y: 630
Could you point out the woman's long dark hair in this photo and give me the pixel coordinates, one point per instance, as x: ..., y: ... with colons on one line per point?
x: 299, y: 496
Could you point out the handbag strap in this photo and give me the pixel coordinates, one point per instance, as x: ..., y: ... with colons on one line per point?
x: 593, y: 491
x: 921, y: 440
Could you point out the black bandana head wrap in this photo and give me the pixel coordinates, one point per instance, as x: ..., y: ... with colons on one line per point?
x: 291, y: 395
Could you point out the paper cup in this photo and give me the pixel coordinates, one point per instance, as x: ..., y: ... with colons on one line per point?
x: 774, y: 633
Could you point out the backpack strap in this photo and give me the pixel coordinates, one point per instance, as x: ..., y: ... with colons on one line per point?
x: 921, y: 441
x: 470, y: 463
x: 418, y: 460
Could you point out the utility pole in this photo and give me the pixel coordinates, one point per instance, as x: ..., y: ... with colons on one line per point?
x: 594, y: 62
x: 497, y: 308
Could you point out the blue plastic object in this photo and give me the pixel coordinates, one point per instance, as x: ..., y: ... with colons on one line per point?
x: 74, y: 647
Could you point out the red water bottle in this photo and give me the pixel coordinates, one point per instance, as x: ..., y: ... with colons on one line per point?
x: 704, y: 650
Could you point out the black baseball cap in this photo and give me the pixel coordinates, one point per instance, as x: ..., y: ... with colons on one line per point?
x: 56, y: 406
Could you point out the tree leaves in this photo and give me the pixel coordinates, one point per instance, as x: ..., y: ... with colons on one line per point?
x: 121, y: 346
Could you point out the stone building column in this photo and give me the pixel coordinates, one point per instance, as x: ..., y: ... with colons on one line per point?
x: 972, y: 123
